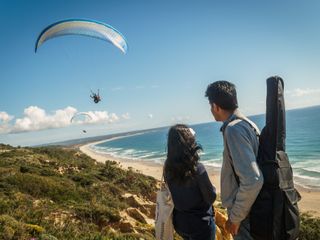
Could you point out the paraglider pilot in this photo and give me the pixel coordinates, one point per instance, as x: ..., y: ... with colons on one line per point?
x: 95, y: 96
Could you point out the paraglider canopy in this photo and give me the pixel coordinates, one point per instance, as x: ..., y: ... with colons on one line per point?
x: 83, y: 27
x: 80, y: 116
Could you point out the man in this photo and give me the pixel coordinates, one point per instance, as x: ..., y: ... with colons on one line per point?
x: 241, y: 179
x: 95, y: 96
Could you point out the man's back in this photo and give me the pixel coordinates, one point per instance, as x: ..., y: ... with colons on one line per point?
x: 241, y: 179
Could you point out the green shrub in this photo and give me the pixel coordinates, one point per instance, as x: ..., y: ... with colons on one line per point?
x: 10, y: 228
x: 97, y: 214
x: 309, y: 228
x: 25, y: 169
x: 129, y: 180
x: 47, y: 172
x: 38, y: 186
x: 84, y: 180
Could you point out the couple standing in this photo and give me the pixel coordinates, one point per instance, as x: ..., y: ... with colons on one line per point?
x: 189, y: 184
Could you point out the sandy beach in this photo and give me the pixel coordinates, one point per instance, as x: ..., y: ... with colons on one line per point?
x: 309, y: 202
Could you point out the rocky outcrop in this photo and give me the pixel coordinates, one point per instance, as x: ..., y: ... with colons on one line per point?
x: 138, y: 218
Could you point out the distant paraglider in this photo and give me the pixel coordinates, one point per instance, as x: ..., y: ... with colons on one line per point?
x: 81, y: 117
x: 85, y: 114
x: 95, y: 96
x: 83, y: 27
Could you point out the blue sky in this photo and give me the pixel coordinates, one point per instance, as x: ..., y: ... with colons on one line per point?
x: 176, y: 48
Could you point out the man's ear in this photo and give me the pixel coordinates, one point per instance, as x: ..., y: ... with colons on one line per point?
x: 216, y: 107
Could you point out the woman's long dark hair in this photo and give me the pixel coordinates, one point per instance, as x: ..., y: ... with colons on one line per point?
x: 182, y: 154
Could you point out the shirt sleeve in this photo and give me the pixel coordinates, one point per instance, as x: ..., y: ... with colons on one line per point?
x: 207, y: 189
x: 246, y: 168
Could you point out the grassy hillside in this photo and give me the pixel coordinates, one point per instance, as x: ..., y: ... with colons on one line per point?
x: 55, y: 193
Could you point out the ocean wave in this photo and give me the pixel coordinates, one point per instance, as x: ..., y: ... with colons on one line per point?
x: 113, y: 152
x: 306, y: 186
x: 216, y: 165
x: 306, y: 177
x: 306, y: 163
x: 312, y: 170
x: 153, y: 155
x: 130, y: 153
x: 107, y: 149
x: 307, y: 181
x: 307, y: 172
x: 105, y: 153
x: 120, y: 151
x: 213, y: 162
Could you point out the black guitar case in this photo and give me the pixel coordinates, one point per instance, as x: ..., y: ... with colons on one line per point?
x: 275, y: 214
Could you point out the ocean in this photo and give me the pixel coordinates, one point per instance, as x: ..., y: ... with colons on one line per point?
x: 302, y: 144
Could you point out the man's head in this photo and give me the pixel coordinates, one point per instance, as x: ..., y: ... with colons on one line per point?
x: 222, y: 97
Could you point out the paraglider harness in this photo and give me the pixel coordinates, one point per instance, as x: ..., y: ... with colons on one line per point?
x: 95, y: 96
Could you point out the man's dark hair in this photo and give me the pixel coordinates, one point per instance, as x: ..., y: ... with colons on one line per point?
x: 224, y: 94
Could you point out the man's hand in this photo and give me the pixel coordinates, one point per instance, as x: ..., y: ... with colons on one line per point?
x: 232, y: 228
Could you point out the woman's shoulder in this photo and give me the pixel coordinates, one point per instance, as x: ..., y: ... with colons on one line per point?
x: 200, y: 168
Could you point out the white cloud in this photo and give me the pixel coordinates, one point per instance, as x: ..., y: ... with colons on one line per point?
x: 93, y: 117
x: 298, y: 92
x: 102, y: 117
x: 150, y: 115
x: 5, y: 118
x: 126, y: 116
x: 36, y: 119
x: 299, y: 98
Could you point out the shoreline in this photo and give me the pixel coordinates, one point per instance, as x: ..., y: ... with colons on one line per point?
x: 308, y: 203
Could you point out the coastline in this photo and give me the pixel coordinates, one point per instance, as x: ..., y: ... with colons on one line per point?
x: 309, y: 202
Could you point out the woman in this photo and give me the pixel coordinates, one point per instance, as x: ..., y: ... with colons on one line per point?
x: 190, y: 187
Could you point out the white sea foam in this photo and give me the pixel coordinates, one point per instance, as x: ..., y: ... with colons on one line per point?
x: 306, y: 177
x: 216, y: 165
x: 306, y: 181
x: 128, y: 151
x: 312, y: 170
x: 216, y: 162
x: 151, y: 154
x: 159, y: 160
x: 307, y: 163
